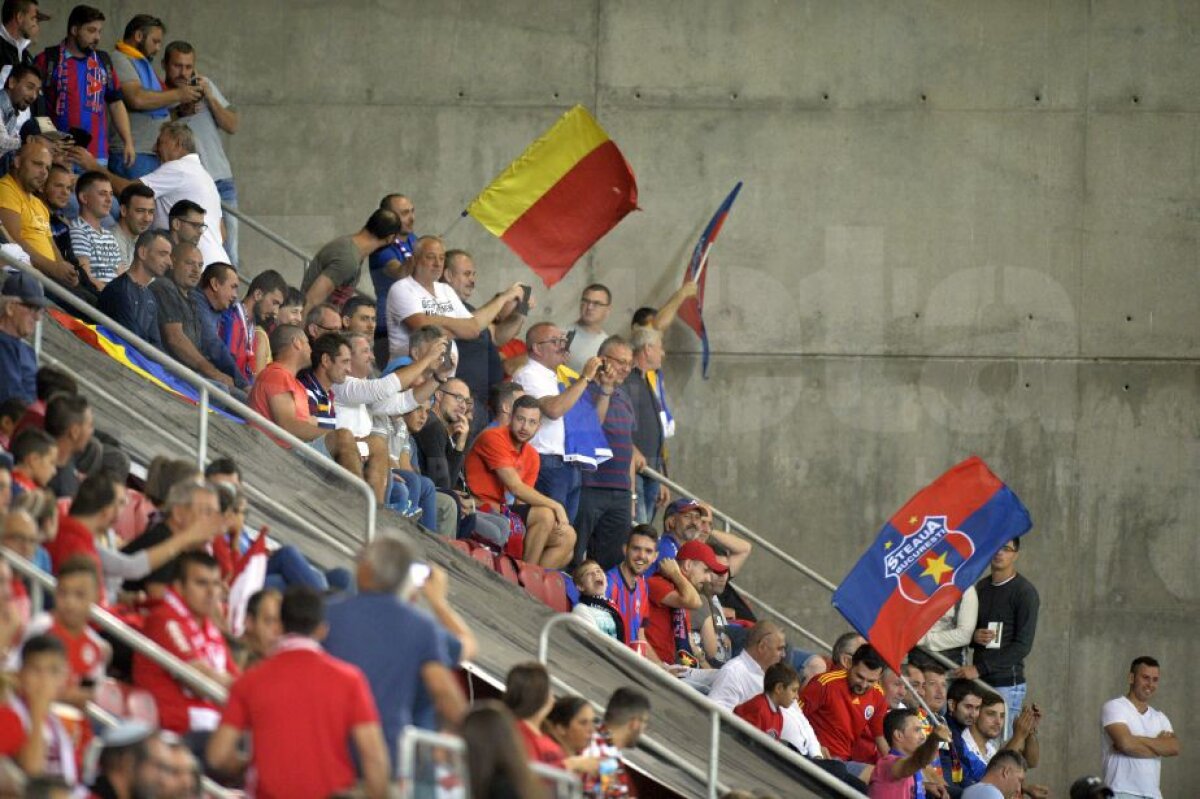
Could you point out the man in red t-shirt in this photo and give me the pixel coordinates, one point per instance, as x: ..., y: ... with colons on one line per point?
x: 839, y: 704
x: 674, y: 590
x: 183, y: 625
x: 301, y: 707
x: 501, y: 463
x: 30, y: 733
x: 77, y: 590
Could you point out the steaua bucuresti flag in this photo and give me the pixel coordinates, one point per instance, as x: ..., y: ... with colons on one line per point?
x: 927, y: 554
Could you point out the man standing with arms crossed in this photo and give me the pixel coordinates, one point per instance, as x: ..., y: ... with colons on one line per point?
x: 1136, y: 736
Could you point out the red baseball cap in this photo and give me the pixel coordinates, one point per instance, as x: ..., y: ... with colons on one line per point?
x: 698, y: 550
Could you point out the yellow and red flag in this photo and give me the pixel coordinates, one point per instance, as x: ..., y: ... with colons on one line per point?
x: 558, y: 198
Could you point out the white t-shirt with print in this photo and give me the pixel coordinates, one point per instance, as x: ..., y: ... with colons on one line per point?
x: 407, y: 297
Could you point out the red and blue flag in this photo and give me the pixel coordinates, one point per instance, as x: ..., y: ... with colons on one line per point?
x: 935, y: 547
x: 692, y: 310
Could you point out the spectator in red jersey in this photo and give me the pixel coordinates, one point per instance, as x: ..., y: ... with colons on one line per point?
x: 766, y: 711
x: 593, y: 606
x: 496, y: 762
x: 627, y: 585
x: 29, y: 732
x: 840, y: 703
x: 527, y: 695
x: 301, y: 708
x: 183, y: 625
x: 503, y: 460
x: 865, y: 750
x: 35, y: 457
x: 898, y: 773
x: 78, y: 588
x: 674, y: 591
x: 625, y: 718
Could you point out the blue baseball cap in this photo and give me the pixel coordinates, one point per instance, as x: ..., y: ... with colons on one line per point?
x: 24, y: 288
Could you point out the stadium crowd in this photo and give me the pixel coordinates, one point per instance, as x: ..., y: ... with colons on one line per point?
x: 526, y: 441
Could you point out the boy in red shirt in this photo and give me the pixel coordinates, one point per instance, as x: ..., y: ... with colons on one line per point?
x: 77, y: 590
x: 781, y: 686
x: 30, y: 733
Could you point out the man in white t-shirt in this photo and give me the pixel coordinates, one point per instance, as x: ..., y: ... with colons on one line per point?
x: 181, y: 177
x: 422, y: 299
x: 558, y: 478
x: 1135, y: 736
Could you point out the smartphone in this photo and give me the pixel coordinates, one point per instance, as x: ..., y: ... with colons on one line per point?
x: 195, y: 81
x: 523, y: 306
x: 570, y: 339
x: 447, y: 359
x: 418, y: 573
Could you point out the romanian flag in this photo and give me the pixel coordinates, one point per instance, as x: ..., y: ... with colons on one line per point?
x: 933, y: 549
x: 692, y: 310
x: 558, y: 198
x: 101, y: 338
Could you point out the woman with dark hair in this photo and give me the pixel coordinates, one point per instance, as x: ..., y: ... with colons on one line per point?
x: 527, y: 695
x: 572, y: 725
x: 496, y: 763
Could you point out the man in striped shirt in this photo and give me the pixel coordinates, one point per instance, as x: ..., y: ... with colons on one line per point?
x: 627, y: 584
x: 97, y: 249
x: 330, y: 366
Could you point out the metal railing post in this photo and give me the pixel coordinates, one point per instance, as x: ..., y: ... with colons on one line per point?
x: 267, y: 233
x: 37, y: 337
x: 714, y: 756
x: 202, y: 432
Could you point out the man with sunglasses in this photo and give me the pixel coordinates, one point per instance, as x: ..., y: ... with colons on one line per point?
x: 21, y: 304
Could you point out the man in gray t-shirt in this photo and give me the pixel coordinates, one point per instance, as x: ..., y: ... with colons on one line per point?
x: 332, y: 275
x: 208, y: 116
x: 143, y: 94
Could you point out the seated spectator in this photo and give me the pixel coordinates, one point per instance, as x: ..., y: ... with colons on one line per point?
x: 132, y: 763
x: 1089, y: 787
x: 15, y: 610
x: 501, y: 397
x: 741, y: 678
x: 497, y: 765
x: 136, y: 217
x: 361, y: 627
x: 183, y: 625
x: 442, y: 441
x: 21, y: 302
x: 710, y: 627
x: 897, y: 775
x: 96, y: 250
x: 330, y: 366
x: 835, y: 704
x: 673, y: 592
x: 35, y: 460
x: 292, y: 310
x: 243, y: 326
x: 321, y: 319
x: 358, y: 316
x: 1005, y: 777
x: 951, y: 634
x: 332, y: 274
x: 625, y: 718
x: 503, y: 460
x: 192, y: 517
x: 215, y: 294
x: 627, y: 585
x: 26, y: 217
x: 527, y: 695
x: 179, y: 326
x: 983, y: 739
x: 30, y: 732
x: 302, y: 737
x: 413, y: 494
x: 595, y: 304
x: 78, y: 588
x: 935, y: 686
x: 571, y: 723
x: 263, y: 627
x: 844, y: 647
x: 681, y: 523
x: 21, y: 89
x: 161, y: 476
x: 865, y: 750
x: 279, y: 396
x: 733, y: 551
x: 58, y: 194
x: 70, y: 421
x: 593, y: 606
x: 766, y: 711
x: 12, y: 410
x: 128, y: 299
x: 421, y: 299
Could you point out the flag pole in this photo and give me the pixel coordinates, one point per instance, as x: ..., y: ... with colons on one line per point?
x: 934, y: 717
x: 703, y: 263
x: 454, y: 224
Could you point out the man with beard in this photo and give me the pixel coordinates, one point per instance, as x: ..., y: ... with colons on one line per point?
x: 179, y: 323
x: 681, y: 523
x: 627, y: 584
x: 216, y: 294
x: 21, y: 89
x: 26, y: 217
x: 128, y: 299
x: 243, y: 325
x: 20, y: 23
x: 839, y: 704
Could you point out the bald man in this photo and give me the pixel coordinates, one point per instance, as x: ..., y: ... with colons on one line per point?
x: 26, y: 218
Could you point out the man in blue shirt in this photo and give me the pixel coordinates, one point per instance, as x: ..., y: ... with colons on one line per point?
x: 218, y: 290
x: 389, y: 264
x: 21, y: 304
x: 364, y: 629
x: 128, y: 299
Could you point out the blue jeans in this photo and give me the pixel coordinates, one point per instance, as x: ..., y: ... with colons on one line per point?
x: 288, y: 567
x: 422, y: 492
x: 647, y: 491
x: 1014, y: 698
x: 561, y: 482
x: 143, y: 164
x: 228, y: 193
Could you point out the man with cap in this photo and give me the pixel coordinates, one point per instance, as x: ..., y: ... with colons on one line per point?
x: 21, y: 304
x: 674, y: 591
x: 131, y: 762
x: 681, y: 524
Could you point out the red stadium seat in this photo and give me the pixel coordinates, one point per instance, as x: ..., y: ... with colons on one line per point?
x: 134, y: 518
x: 507, y: 569
x: 142, y: 707
x: 533, y: 579
x: 110, y: 697
x: 484, y: 557
x: 461, y: 546
x: 554, y: 588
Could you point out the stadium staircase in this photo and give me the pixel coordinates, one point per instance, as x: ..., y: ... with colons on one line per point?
x: 320, y: 508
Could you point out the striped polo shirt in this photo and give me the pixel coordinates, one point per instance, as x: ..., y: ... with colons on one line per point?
x: 618, y: 429
x: 99, y: 247
x: 320, y: 401
x: 633, y: 603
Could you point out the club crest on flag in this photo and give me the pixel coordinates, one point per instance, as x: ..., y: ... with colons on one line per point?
x: 927, y: 559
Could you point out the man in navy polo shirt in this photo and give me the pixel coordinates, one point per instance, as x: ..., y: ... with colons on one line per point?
x: 605, y: 504
x: 681, y: 523
x: 390, y: 263
x: 216, y: 293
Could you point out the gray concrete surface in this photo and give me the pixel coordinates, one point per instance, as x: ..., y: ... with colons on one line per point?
x: 966, y: 228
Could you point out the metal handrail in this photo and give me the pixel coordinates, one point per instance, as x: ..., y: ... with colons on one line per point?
x: 406, y: 754
x: 561, y: 778
x: 733, y: 524
x: 717, y: 714
x: 267, y: 233
x: 205, y: 686
x: 206, y: 389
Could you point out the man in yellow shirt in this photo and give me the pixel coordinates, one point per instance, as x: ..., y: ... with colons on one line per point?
x: 26, y: 218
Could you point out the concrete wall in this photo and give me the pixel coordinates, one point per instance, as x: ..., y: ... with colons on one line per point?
x: 967, y: 227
